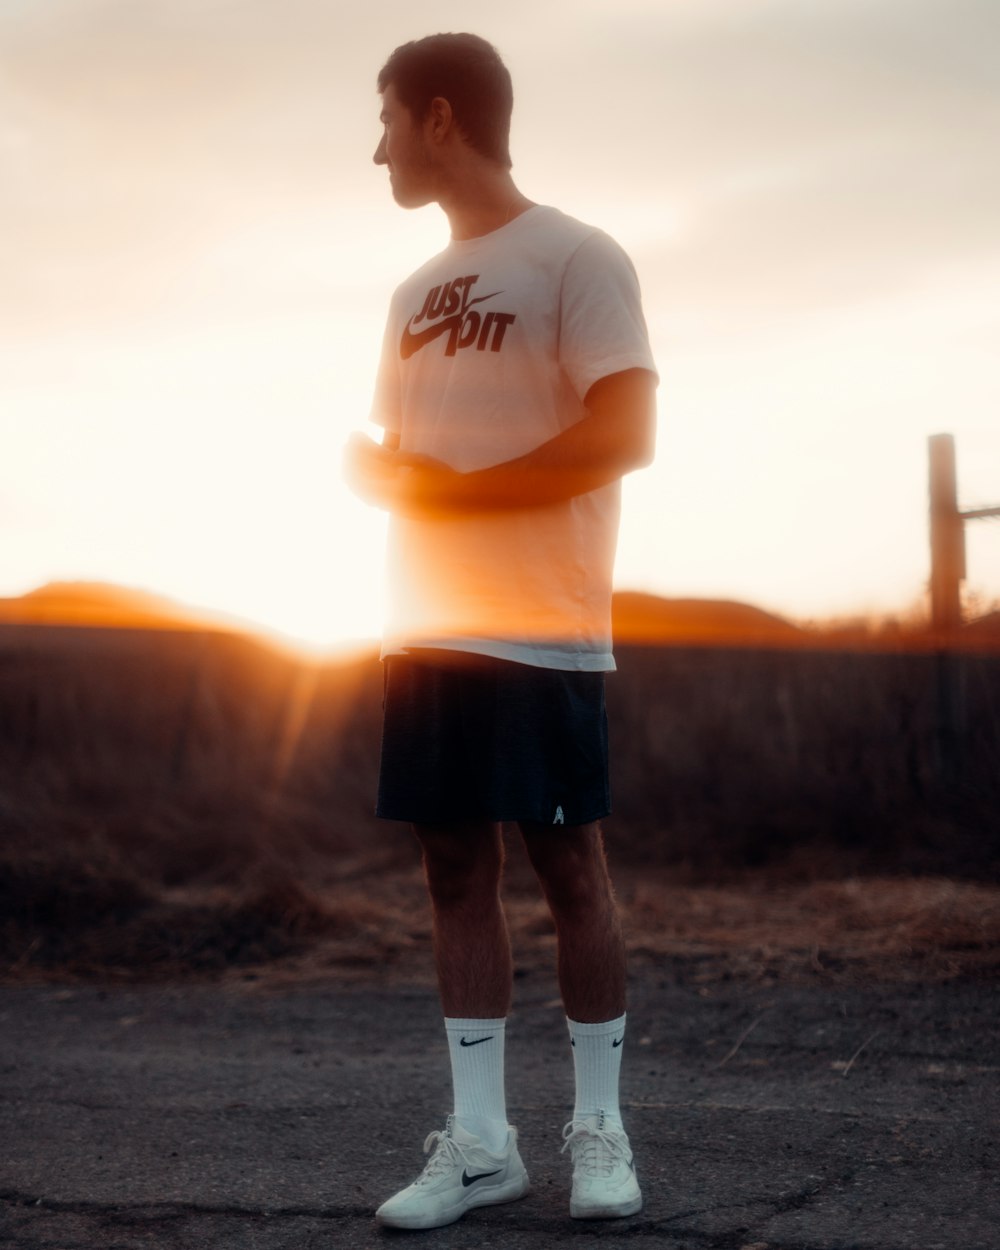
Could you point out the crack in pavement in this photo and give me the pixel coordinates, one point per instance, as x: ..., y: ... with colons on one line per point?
x: 175, y: 1210
x: 18, y: 1100
x: 870, y: 1113
x: 796, y: 1201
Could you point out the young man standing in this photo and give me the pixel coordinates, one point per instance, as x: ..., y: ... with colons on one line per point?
x: 516, y: 388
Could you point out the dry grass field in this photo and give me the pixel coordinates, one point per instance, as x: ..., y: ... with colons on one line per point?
x: 197, y: 803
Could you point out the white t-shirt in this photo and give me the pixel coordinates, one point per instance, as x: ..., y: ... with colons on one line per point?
x: 489, y: 351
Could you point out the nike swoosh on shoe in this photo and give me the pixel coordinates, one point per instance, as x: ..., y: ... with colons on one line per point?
x: 468, y: 1180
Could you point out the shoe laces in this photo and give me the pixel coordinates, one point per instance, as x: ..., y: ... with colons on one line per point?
x: 595, y: 1151
x: 446, y: 1157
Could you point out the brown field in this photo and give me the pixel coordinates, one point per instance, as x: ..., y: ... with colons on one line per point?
x: 196, y: 803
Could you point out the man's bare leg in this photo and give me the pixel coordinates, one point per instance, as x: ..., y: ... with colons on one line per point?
x: 476, y: 1162
x: 463, y: 865
x: 571, y: 867
x: 573, y: 873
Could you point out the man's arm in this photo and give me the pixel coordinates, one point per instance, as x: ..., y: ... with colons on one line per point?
x: 616, y: 435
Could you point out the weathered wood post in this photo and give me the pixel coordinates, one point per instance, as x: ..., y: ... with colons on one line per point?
x: 947, y: 574
x: 947, y: 538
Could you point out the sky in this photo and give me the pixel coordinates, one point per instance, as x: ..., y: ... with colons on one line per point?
x: 197, y: 253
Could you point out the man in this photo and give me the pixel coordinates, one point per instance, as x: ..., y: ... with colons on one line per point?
x: 516, y: 388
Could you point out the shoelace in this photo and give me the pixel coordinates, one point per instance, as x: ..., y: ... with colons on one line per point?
x: 595, y: 1150
x: 445, y: 1158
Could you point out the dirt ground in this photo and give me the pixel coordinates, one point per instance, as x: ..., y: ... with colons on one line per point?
x: 757, y: 929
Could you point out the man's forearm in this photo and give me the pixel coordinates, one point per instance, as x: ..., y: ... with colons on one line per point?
x: 616, y: 435
x: 573, y: 463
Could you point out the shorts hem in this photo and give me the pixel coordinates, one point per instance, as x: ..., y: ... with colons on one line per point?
x: 438, y: 818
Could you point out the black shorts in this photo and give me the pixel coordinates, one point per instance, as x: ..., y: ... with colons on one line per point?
x: 468, y: 737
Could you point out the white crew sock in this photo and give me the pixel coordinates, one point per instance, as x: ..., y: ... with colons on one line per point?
x: 477, y: 1052
x: 597, y: 1061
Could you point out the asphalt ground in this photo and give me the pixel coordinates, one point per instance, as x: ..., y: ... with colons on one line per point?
x: 244, y: 1116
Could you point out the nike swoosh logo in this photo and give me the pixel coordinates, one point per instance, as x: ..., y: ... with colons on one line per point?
x: 411, y: 343
x: 478, y: 1042
x: 615, y: 1045
x: 468, y: 1180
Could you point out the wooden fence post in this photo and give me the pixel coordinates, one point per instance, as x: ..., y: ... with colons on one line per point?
x: 947, y: 538
x: 947, y: 573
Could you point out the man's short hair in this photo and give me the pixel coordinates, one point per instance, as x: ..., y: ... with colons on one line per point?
x: 467, y: 72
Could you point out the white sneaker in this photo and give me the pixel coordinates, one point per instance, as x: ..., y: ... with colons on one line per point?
x: 460, y: 1174
x: 604, y: 1183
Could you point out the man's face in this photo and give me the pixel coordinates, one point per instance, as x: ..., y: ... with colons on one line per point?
x: 404, y: 150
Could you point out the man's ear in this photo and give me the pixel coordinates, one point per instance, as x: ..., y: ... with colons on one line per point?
x: 439, y: 121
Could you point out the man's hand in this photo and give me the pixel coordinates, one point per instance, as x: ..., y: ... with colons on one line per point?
x: 368, y: 469
x: 400, y: 481
x: 615, y: 435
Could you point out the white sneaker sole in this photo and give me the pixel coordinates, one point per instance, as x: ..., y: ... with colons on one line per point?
x: 604, y: 1211
x: 510, y: 1191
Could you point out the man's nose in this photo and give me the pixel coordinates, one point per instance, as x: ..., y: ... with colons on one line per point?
x: 379, y: 157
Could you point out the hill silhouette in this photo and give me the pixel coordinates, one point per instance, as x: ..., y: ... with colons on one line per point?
x: 649, y: 619
x: 103, y: 604
x: 639, y: 618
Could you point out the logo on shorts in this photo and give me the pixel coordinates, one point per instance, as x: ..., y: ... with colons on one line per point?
x: 559, y: 818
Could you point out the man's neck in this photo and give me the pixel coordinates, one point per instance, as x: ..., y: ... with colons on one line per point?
x: 481, y: 205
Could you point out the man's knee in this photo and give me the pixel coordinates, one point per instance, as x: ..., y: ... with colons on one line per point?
x: 460, y: 861
x: 569, y: 863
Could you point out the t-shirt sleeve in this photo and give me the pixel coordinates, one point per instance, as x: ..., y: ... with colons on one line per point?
x: 386, y: 409
x: 601, y: 326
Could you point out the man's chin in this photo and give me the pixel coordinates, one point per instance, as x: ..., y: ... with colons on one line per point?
x: 409, y: 198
